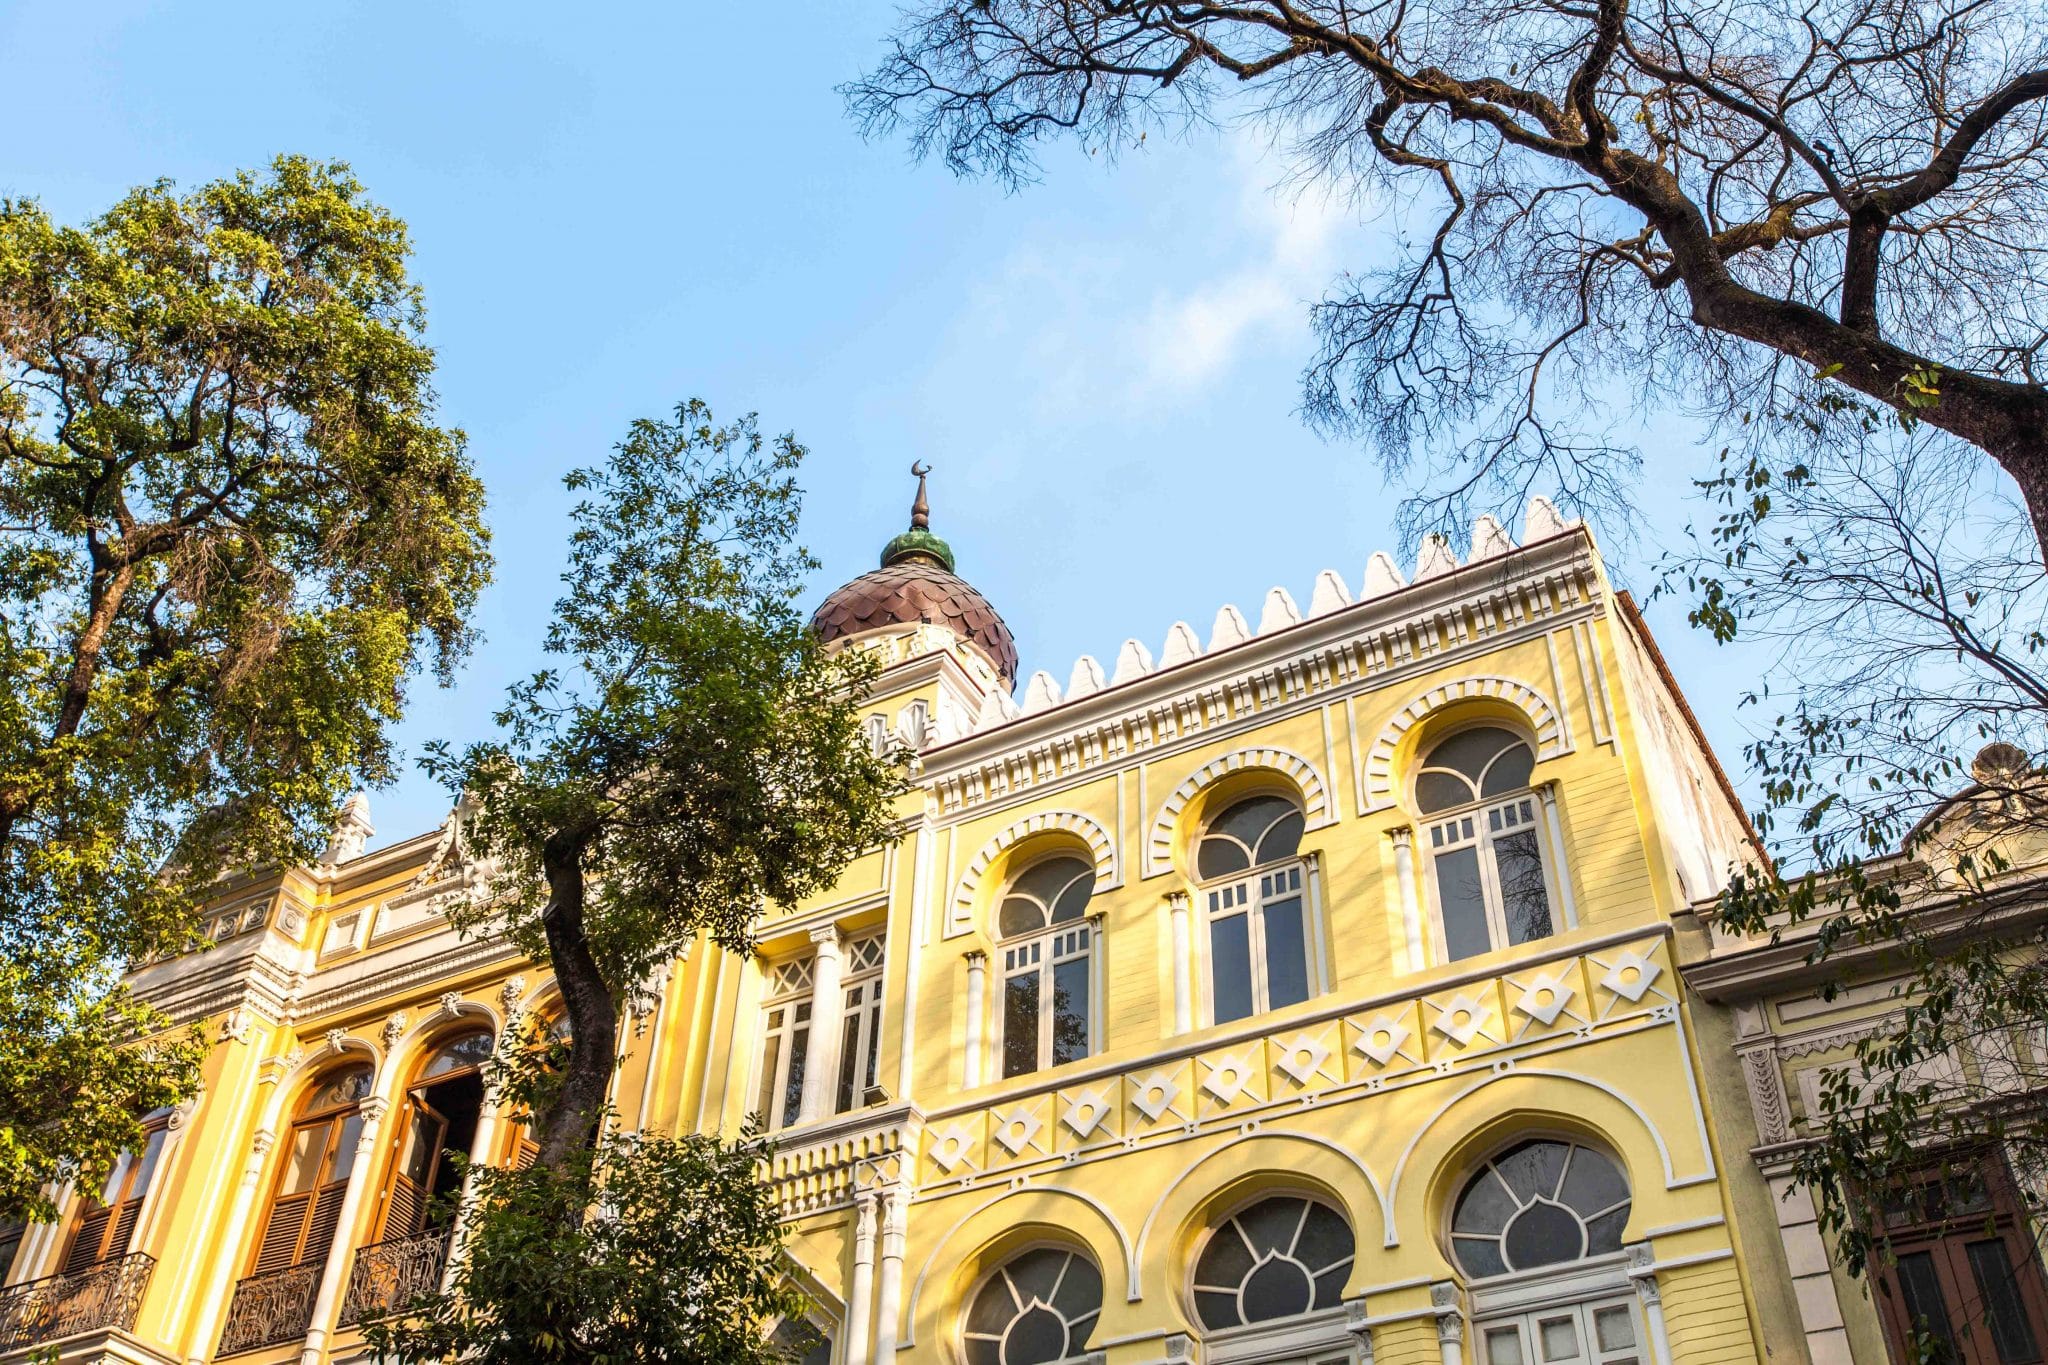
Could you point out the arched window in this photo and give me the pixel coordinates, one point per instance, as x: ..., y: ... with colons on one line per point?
x: 802, y: 1342
x: 1546, y: 1203
x: 107, y: 1221
x: 1035, y: 1310
x: 1542, y: 1202
x: 1258, y: 922
x: 1486, y: 846
x: 319, y: 1153
x: 1047, y: 955
x: 1280, y: 1258
x: 442, y: 1107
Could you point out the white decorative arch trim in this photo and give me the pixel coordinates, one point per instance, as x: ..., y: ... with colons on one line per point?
x: 1309, y: 1139
x: 1108, y: 869
x: 1539, y: 711
x: 1315, y: 794
x: 1671, y: 1179
x: 1116, y: 1228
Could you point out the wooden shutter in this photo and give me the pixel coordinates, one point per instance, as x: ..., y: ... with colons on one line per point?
x: 321, y: 1225
x: 281, y: 1233
x: 528, y: 1151
x: 412, y: 1174
x: 92, y: 1235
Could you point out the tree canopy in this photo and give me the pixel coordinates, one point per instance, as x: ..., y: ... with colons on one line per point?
x: 232, y: 530
x: 1697, y: 201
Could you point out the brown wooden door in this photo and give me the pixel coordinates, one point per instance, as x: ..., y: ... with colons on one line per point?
x: 1964, y: 1279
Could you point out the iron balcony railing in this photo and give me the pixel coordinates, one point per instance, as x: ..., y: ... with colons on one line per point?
x: 274, y: 1306
x: 390, y: 1274
x: 99, y: 1298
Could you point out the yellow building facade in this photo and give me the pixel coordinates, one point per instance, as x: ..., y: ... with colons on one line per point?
x: 1307, y: 994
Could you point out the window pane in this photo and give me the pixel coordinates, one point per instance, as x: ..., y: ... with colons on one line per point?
x: 309, y: 1145
x: 1277, y: 1289
x: 116, y: 1179
x: 1283, y: 840
x: 793, y: 1087
x: 1560, y: 1337
x: 1469, y: 751
x: 1921, y: 1288
x: 1070, y: 1011
x: 1464, y: 904
x: 1020, y: 916
x: 1286, y: 954
x: 1504, y: 1346
x: 2003, y: 1311
x: 1533, y: 1168
x: 771, y: 1055
x: 1593, y: 1183
x: 1616, y: 1328
x: 1219, y: 857
x: 1510, y: 772
x: 145, y: 1169
x: 1479, y: 1257
x: 1544, y: 1234
x: 1485, y: 1207
x: 1525, y: 903
x: 1020, y: 1024
x: 1441, y: 791
x: 849, y: 1060
x: 1230, y: 967
x: 344, y: 1159
x: 1271, y: 1227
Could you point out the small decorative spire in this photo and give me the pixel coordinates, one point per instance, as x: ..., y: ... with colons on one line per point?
x: 920, y: 510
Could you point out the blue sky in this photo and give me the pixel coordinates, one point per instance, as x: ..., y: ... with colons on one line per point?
x: 616, y: 207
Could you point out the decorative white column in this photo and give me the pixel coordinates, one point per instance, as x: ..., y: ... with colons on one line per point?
x: 211, y: 1304
x: 1450, y: 1322
x: 1183, y: 969
x: 889, y: 1288
x: 1558, y: 861
x: 1642, y: 1270
x: 1411, y: 902
x: 489, y: 1119
x: 343, y: 1250
x: 821, y: 1065
x: 977, y: 1011
x: 860, y: 1296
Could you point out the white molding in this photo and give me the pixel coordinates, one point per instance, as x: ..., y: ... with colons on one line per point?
x: 1541, y: 712
x: 1108, y: 867
x: 1123, y: 1244
x: 1280, y: 1134
x: 1315, y: 793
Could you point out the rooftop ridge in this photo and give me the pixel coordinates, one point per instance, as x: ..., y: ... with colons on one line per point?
x: 1490, y: 540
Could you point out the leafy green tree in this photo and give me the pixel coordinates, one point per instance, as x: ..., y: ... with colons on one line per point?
x: 231, y: 532
x: 694, y: 759
x: 682, y: 1266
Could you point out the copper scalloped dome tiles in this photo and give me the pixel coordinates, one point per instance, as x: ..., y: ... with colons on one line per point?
x: 913, y: 591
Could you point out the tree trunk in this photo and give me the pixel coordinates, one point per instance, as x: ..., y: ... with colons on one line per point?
x: 571, y: 1124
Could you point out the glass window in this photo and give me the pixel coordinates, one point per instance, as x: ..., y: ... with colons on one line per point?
x: 1542, y: 1202
x: 1252, y: 833
x: 1277, y: 1259
x: 785, y: 1045
x: 1258, y: 943
x: 1048, y: 962
x: 1492, y: 889
x: 860, y: 1042
x: 1036, y: 1310
x: 466, y: 1053
x: 106, y: 1224
x: 320, y: 1152
x: 1597, y: 1333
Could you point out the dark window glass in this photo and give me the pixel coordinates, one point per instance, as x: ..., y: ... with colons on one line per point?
x: 1464, y: 904
x: 1282, y: 840
x: 1230, y: 963
x: 1534, y: 1168
x: 1070, y: 1011
x: 1047, y: 893
x: 1524, y: 901
x: 1020, y: 1024
x: 470, y: 1050
x: 771, y: 1056
x: 2003, y: 1311
x: 1544, y: 1234
x: 1278, y: 1258
x: 1485, y: 1206
x: 1592, y: 1185
x: 1271, y: 1227
x: 799, y: 1048
x: 849, y: 1062
x: 1038, y: 1309
x: 1286, y: 954
x: 1921, y: 1286
x: 1510, y: 772
x: 1277, y: 1289
x: 1256, y: 830
x: 1441, y: 791
x: 1480, y: 1256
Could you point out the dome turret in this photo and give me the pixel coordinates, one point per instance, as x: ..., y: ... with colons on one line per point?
x: 915, y: 585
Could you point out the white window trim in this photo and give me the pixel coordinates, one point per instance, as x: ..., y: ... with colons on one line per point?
x: 998, y: 989
x: 1311, y: 926
x: 1581, y: 1288
x: 1311, y: 1339
x: 770, y: 1001
x: 1427, y: 850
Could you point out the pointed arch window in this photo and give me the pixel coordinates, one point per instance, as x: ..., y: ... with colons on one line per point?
x: 1048, y: 951
x: 1485, y: 842
x: 1038, y: 1309
x: 107, y: 1222
x: 1259, y: 929
x: 1280, y: 1258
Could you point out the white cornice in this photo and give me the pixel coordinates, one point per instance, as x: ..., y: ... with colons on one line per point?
x: 1365, y: 646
